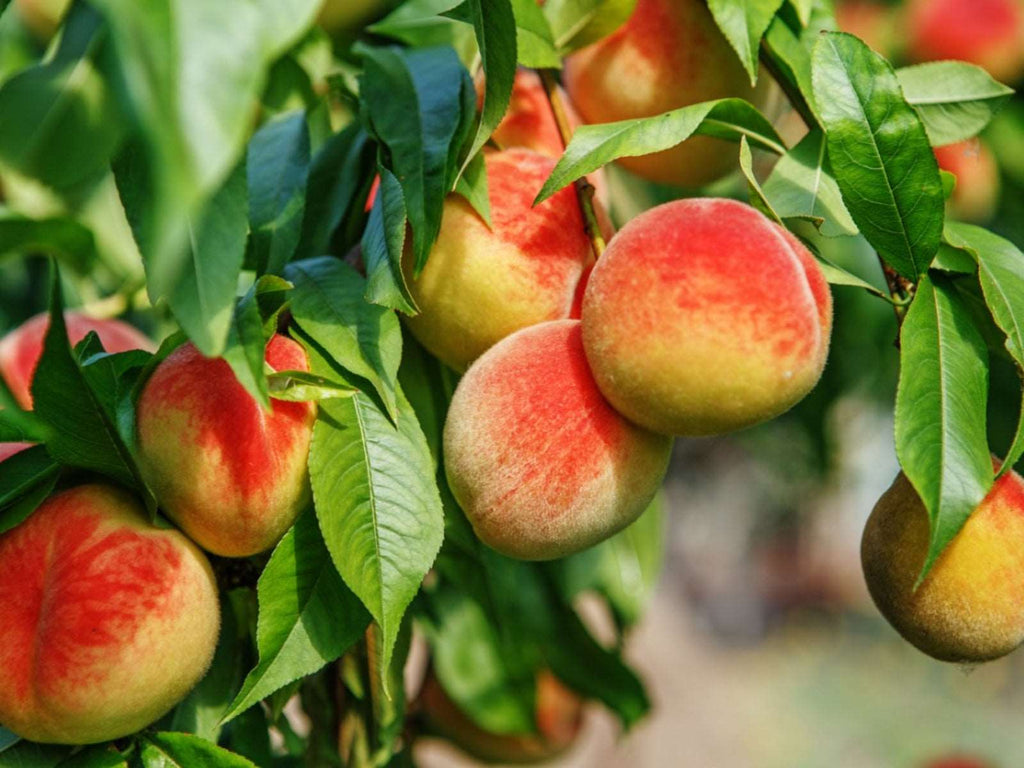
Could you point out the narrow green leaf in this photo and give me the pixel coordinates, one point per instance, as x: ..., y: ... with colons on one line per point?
x: 253, y: 322
x: 21, y: 473
x: 383, y: 248
x: 535, y: 43
x: 182, y: 750
x: 594, y: 145
x: 955, y: 100
x: 307, y: 619
x: 377, y: 503
x: 65, y: 238
x: 473, y: 187
x: 578, y: 23
x: 744, y: 22
x: 203, y: 298
x: 1001, y: 273
x: 754, y: 191
x: 941, y: 439
x: 879, y: 152
x: 801, y: 185
x: 278, y: 165
x: 26, y: 754
x: 364, y: 339
x: 99, y: 756
x: 790, y: 54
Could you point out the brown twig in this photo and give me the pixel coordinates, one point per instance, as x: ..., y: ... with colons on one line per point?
x: 901, y: 290
x: 584, y: 189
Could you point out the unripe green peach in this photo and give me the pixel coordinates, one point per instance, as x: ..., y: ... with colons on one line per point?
x: 538, y: 460
x: 976, y: 193
x: 22, y: 347
x: 559, y: 717
x: 669, y: 54
x: 970, y: 607
x: 230, y: 474
x: 481, y: 284
x: 106, y: 621
x: 703, y: 316
x: 989, y: 33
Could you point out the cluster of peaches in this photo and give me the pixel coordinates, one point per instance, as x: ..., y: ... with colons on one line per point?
x: 702, y: 316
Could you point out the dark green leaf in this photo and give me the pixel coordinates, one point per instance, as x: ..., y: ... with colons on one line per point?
x: 744, y: 22
x: 180, y: 750
x: 25, y: 754
x: 879, y: 152
x: 66, y: 239
x: 578, y: 23
x: 27, y: 477
x: 100, y: 756
x: 383, y: 248
x: 941, y: 439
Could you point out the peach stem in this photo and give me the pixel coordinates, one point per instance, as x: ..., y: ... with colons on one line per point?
x: 584, y: 189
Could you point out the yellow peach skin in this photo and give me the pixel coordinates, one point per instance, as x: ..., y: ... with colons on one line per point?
x: 970, y: 607
x: 106, y: 621
x: 480, y: 284
x: 670, y: 54
x: 703, y: 316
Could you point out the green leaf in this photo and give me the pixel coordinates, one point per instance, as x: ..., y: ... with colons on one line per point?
x: 941, y: 439
x: 64, y: 238
x: 26, y: 754
x: 955, y: 100
x: 181, y: 750
x: 278, y: 162
x: 415, y: 103
x: 377, y: 503
x: 85, y: 432
x: 203, y: 298
x: 58, y: 122
x: 364, y: 339
x: 754, y: 191
x: 301, y: 387
x: 594, y: 145
x: 425, y: 23
x: 308, y: 617
x: 191, y: 71
x: 744, y: 22
x: 578, y: 23
x: 27, y: 479
x: 253, y: 322
x: 99, y: 756
x: 789, y: 53
x: 801, y: 185
x: 473, y: 187
x: 383, y: 247
x: 535, y: 43
x: 1001, y: 273
x: 879, y: 152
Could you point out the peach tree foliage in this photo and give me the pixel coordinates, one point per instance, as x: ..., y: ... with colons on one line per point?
x: 146, y: 108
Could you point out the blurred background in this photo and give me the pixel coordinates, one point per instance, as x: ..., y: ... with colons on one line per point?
x: 761, y: 647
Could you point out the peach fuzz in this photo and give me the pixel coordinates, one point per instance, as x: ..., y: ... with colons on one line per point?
x: 22, y: 347
x: 703, y: 316
x: 669, y: 54
x: 976, y: 193
x: 106, y: 623
x: 970, y: 607
x: 989, y: 33
x: 559, y: 718
x: 480, y: 284
x: 230, y: 474
x: 538, y: 460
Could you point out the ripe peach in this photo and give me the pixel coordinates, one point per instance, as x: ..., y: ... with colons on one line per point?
x: 529, y: 121
x: 21, y: 349
x: 107, y: 621
x: 559, y: 718
x: 704, y: 316
x: 971, y: 605
x: 869, y: 20
x: 670, y: 54
x: 976, y: 194
x: 481, y: 284
x: 540, y: 463
x: 230, y: 474
x: 989, y: 33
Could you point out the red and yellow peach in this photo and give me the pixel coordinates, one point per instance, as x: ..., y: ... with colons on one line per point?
x: 976, y: 193
x: 230, y: 474
x: 480, y: 284
x: 106, y: 622
x: 538, y: 460
x: 703, y: 316
x: 970, y: 606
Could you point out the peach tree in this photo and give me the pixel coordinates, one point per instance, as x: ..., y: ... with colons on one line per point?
x: 229, y: 173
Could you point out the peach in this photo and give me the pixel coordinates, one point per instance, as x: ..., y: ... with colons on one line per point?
x: 559, y: 718
x: 670, y: 54
x: 970, y: 607
x: 9, y: 449
x: 43, y: 17
x: 976, y: 194
x: 529, y: 121
x: 870, y: 20
x: 989, y: 33
x: 21, y: 348
x: 107, y: 620
x: 481, y: 284
x: 538, y: 460
x: 230, y: 474
x: 703, y: 316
